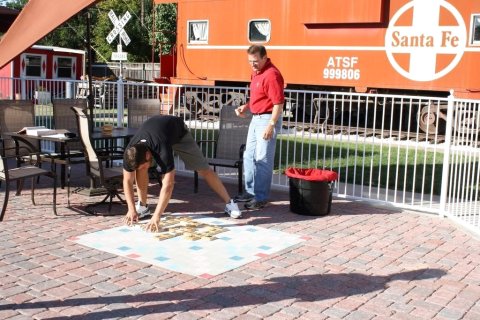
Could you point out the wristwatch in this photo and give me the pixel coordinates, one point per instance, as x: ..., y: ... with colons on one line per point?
x: 272, y: 122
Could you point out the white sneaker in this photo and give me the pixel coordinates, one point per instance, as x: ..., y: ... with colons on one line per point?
x: 142, y: 211
x: 232, y: 210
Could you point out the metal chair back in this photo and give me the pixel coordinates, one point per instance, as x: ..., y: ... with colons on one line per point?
x: 229, y: 144
x: 95, y: 166
x: 15, y: 115
x: 108, y: 178
x: 64, y: 117
x: 139, y: 110
x: 232, y: 134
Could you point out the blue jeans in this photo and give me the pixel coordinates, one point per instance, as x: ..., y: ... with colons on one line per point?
x: 259, y: 156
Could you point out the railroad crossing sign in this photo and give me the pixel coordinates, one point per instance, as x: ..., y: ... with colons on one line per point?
x: 119, y: 23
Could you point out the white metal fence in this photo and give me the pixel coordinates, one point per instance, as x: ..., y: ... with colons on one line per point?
x: 408, y: 151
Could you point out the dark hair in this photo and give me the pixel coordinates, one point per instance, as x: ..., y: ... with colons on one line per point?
x: 255, y: 48
x: 135, y: 156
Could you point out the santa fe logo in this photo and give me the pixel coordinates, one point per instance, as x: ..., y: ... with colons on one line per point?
x: 425, y: 39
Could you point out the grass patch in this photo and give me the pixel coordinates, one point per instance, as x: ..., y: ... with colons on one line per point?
x: 384, y: 166
x: 402, y: 168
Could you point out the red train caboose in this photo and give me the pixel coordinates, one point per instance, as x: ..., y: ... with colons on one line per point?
x: 431, y: 45
x: 417, y: 46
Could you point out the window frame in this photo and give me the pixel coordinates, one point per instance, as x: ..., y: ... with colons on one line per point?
x: 73, y: 61
x: 189, y: 41
x: 259, y: 20
x: 42, y: 58
x: 472, y: 41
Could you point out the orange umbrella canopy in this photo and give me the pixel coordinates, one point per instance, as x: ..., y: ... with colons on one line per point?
x: 36, y: 20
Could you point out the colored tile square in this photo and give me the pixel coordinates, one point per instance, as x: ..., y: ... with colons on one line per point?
x: 161, y: 259
x: 236, y: 258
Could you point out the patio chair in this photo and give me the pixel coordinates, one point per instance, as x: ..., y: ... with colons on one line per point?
x: 109, y: 178
x: 15, y: 115
x: 140, y: 110
x: 229, y: 145
x: 64, y: 118
x: 18, y: 174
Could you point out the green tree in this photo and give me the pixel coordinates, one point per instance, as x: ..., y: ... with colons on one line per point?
x: 15, y: 4
x: 163, y: 37
x: 71, y: 34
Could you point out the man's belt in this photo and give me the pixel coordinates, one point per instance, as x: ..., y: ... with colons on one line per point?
x: 260, y: 113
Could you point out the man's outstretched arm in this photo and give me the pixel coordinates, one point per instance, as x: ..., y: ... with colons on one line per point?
x: 128, y: 181
x: 166, y: 191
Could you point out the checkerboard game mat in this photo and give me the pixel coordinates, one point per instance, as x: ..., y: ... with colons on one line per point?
x: 195, y: 245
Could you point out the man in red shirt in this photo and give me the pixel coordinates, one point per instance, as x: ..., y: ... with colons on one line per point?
x: 266, y: 105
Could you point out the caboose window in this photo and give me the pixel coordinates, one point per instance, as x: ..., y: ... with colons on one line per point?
x: 64, y: 67
x: 33, y: 66
x: 475, y: 37
x: 259, y: 31
x: 197, y: 31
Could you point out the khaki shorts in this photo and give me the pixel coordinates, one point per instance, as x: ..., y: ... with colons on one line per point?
x: 188, y: 150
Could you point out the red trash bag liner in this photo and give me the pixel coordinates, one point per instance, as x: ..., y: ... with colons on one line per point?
x: 312, y: 174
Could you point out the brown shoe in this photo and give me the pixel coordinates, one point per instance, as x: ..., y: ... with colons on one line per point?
x: 254, y: 204
x: 244, y: 197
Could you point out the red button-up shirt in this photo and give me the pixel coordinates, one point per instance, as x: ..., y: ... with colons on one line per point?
x: 266, y: 89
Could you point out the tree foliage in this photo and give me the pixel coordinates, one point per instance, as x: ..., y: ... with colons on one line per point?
x: 164, y: 34
x: 71, y: 34
x: 14, y: 4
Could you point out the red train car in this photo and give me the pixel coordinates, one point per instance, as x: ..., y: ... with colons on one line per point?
x: 363, y: 45
x: 34, y: 70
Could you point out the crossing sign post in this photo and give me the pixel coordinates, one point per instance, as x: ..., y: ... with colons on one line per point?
x: 118, y: 25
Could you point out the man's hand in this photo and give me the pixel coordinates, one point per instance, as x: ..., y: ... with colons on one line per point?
x: 153, y: 225
x: 240, y: 111
x: 268, y: 133
x: 130, y: 218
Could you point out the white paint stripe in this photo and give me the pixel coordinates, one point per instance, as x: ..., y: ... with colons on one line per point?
x: 306, y: 48
x: 426, y: 17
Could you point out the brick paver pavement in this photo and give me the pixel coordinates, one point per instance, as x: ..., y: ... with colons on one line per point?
x: 359, y: 262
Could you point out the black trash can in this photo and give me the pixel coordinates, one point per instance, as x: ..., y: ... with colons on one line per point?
x: 311, y: 191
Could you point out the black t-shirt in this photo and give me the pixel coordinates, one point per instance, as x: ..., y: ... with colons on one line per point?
x: 159, y: 133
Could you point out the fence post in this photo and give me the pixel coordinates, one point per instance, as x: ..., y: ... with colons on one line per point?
x: 120, y: 102
x: 446, y: 155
